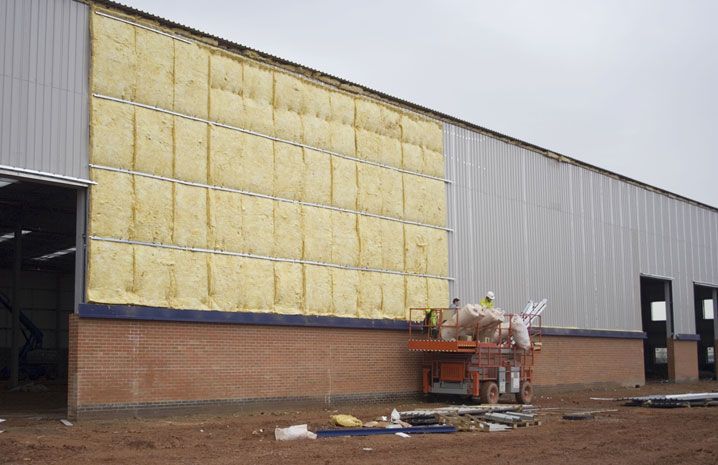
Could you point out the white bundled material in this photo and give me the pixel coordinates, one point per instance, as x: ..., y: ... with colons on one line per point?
x: 520, y: 333
x: 293, y: 432
x: 468, y: 318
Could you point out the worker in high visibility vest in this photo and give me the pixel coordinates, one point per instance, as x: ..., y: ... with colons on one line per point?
x: 430, y: 319
x: 488, y: 301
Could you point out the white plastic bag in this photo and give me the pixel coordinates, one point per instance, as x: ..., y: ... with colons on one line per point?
x: 520, y: 333
x: 466, y: 319
x: 293, y: 432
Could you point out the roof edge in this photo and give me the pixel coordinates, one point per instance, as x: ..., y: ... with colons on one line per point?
x: 349, y: 86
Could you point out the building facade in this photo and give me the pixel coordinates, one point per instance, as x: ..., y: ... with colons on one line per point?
x: 249, y: 230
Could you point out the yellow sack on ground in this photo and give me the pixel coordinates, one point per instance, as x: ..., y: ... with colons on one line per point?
x: 347, y: 421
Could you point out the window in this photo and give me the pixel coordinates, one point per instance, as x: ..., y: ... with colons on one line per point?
x: 708, y: 309
x: 658, y: 311
x: 710, y: 355
x: 661, y: 355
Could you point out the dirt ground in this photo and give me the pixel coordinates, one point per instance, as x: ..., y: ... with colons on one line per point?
x: 633, y: 435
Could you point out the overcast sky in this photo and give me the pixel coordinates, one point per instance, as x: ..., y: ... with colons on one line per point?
x: 630, y: 86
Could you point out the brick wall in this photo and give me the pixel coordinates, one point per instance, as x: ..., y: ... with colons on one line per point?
x: 682, y: 360
x: 589, y: 360
x: 126, y: 365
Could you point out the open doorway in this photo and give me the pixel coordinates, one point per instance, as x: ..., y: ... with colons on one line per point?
x: 705, y: 298
x: 657, y: 316
x: 37, y: 293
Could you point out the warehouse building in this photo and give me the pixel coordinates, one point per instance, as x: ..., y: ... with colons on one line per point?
x: 186, y: 222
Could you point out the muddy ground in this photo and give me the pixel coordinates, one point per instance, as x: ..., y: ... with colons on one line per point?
x: 632, y: 435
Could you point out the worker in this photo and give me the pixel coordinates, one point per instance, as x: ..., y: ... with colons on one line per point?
x: 430, y: 320
x: 455, y: 304
x: 488, y: 301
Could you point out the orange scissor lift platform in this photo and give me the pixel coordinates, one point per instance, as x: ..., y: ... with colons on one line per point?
x: 479, y: 369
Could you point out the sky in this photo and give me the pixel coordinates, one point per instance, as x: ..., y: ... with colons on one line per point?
x: 629, y: 86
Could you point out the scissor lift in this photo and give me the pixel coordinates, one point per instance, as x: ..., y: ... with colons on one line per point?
x: 479, y: 369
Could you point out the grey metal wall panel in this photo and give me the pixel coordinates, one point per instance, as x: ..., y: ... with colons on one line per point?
x: 527, y: 226
x: 44, y: 87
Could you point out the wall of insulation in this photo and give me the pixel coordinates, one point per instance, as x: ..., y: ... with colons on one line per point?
x: 334, y: 204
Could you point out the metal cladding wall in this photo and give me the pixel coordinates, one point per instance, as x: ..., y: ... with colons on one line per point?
x: 43, y: 87
x: 527, y: 226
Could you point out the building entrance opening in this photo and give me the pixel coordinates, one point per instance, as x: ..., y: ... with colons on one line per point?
x: 706, y: 299
x: 37, y: 293
x: 657, y: 317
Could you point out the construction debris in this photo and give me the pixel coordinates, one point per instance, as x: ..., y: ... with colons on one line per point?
x: 346, y: 421
x: 65, y: 422
x: 701, y: 399
x: 327, y: 433
x: 293, y: 432
x: 403, y: 435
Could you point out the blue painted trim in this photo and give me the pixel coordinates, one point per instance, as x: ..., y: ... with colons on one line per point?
x: 687, y: 337
x: 333, y: 433
x: 593, y: 333
x: 130, y: 312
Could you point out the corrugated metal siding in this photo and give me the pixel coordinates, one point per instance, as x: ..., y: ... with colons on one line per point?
x: 44, y: 87
x: 527, y: 227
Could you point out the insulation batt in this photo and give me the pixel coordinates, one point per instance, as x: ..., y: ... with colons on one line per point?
x: 468, y: 318
x: 196, y: 80
x: 112, y: 134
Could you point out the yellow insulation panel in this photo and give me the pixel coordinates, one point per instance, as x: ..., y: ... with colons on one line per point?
x: 288, y: 288
x: 226, y: 73
x: 392, y: 245
x: 392, y: 187
x: 369, y: 193
x: 438, y: 292
x: 345, y: 292
x: 190, y: 150
x: 110, y: 269
x: 288, y: 171
x: 190, y: 216
x: 345, y: 240
x: 256, y: 280
x: 154, y: 142
x: 316, y: 132
x: 195, y: 80
x: 344, y: 183
x: 111, y: 204
x: 225, y: 292
x: 114, y: 61
x: 258, y: 83
x: 416, y: 243
x: 153, y: 218
x: 417, y: 292
x: 190, y: 276
x: 318, y: 289
x: 225, y: 151
x: 154, y: 282
x: 257, y: 225
x: 155, y: 69
x: 226, y: 106
x: 112, y: 134
x: 370, y: 242
x: 393, y: 299
x: 317, y: 234
x: 191, y: 79
x: 437, y: 252
x: 287, y: 124
x: 370, y: 301
x: 225, y: 221
x: 287, y: 230
x: 317, y: 183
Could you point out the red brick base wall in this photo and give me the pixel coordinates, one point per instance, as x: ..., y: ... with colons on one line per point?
x: 590, y: 360
x: 127, y: 365
x: 682, y: 360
